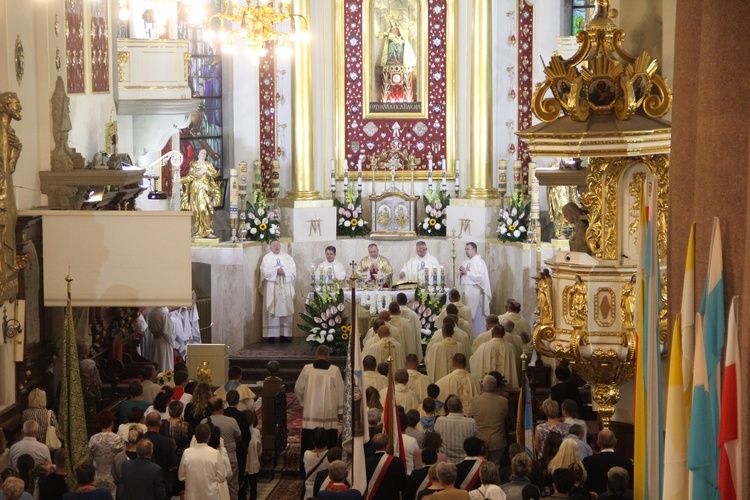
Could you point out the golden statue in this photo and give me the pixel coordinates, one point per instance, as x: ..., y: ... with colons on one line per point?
x: 627, y: 304
x: 204, y: 373
x: 201, y: 194
x: 579, y: 308
x: 10, y: 150
x: 544, y: 297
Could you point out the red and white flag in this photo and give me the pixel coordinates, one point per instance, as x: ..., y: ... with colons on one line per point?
x: 730, y: 464
x: 391, y: 420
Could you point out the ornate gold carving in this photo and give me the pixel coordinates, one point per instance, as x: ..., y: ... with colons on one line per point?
x: 58, y: 60
x: 19, y: 60
x: 122, y: 59
x: 602, y: 199
x: 663, y: 312
x: 10, y: 145
x: 186, y: 58
x: 604, y: 301
x: 634, y: 189
x: 544, y: 297
x: 575, y: 303
x: 627, y: 304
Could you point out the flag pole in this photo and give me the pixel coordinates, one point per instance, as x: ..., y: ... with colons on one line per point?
x: 521, y: 409
x: 355, y: 414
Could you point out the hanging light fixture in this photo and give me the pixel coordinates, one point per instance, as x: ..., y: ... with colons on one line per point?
x: 257, y: 22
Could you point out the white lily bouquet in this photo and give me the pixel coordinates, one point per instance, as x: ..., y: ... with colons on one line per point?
x: 514, y: 220
x: 324, y: 321
x: 349, y: 215
x: 262, y: 223
x: 435, y: 203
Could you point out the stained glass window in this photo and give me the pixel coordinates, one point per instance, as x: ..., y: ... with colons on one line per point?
x: 583, y: 11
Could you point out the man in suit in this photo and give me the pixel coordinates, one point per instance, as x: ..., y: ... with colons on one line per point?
x: 386, y: 475
x: 233, y: 411
x: 491, y: 412
x: 418, y: 479
x: 598, y: 465
x: 467, y: 470
x: 164, y: 449
x: 142, y: 478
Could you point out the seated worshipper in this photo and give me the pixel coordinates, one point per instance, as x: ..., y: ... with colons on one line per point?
x: 370, y: 377
x: 418, y: 480
x: 316, y: 459
x: 412, y: 339
x: 386, y: 347
x: 598, y: 464
x: 87, y: 490
x: 475, y: 280
x: 569, y: 410
x: 234, y: 382
x: 552, y: 425
x: 467, y: 477
x: 404, y: 396
x: 408, y: 313
x: 412, y: 418
x: 136, y: 401
x: 459, y: 382
x: 161, y: 328
x: 320, y: 392
x: 418, y: 381
x: 427, y: 421
x: 204, y: 469
x: 29, y: 445
x: 490, y: 478
x: 446, y: 473
x: 617, y: 485
x: 433, y: 442
x: 386, y: 475
x: 490, y: 321
x: 496, y: 355
x: 337, y: 487
x: 564, y: 388
x: 420, y: 267
x: 439, y: 359
x: 491, y: 412
x: 372, y: 333
x: 459, y: 335
x: 277, y: 274
x: 433, y: 484
x: 375, y: 266
x: 321, y: 477
x: 578, y: 434
x: 454, y: 297
x: 454, y: 429
x: 331, y: 269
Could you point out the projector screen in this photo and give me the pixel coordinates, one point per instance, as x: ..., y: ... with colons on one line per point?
x: 117, y: 258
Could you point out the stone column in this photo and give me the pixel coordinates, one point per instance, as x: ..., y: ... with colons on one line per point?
x: 480, y: 167
x: 303, y: 179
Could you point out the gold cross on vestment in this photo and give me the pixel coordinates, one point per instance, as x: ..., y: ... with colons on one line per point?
x: 390, y: 347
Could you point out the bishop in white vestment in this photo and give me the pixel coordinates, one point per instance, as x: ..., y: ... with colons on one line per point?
x: 421, y: 266
x: 277, y: 274
x: 475, y: 279
x: 497, y: 354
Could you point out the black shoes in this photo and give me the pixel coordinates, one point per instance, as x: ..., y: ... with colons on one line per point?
x: 285, y: 340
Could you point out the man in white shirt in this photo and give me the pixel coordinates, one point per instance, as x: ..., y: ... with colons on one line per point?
x: 30, y: 446
x: 455, y: 428
x: 331, y: 269
x: 420, y: 267
x: 203, y: 468
x: 475, y: 279
x: 277, y: 274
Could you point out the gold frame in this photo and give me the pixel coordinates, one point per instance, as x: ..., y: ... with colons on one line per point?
x: 605, y: 322
x: 451, y: 115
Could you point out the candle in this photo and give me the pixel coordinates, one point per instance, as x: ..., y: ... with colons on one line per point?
x: 333, y: 177
x: 233, y: 194
x: 243, y: 179
x: 429, y: 163
x: 458, y: 172
x: 359, y: 173
x: 346, y: 181
x: 257, y: 176
x: 443, y: 181
x: 502, y: 178
x: 434, y: 275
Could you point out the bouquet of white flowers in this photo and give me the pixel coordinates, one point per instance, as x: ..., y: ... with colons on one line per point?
x: 514, y: 220
x: 349, y: 216
x: 324, y: 321
x: 262, y: 223
x: 435, y: 203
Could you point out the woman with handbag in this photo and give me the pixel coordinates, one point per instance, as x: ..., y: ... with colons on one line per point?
x: 38, y: 412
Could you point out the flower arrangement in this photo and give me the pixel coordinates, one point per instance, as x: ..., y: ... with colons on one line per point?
x: 165, y: 378
x: 324, y: 321
x: 375, y: 301
x: 262, y: 223
x: 427, y: 308
x: 514, y: 220
x: 350, y: 222
x: 435, y: 203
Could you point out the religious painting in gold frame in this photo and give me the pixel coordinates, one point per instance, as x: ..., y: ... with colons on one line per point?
x: 394, y: 47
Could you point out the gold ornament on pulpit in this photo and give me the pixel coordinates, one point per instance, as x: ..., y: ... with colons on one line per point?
x: 204, y: 373
x: 10, y: 150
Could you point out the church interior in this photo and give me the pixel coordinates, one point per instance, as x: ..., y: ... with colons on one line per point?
x: 152, y: 151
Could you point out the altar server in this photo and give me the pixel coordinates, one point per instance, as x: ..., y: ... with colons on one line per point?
x: 475, y: 279
x: 421, y: 266
x: 277, y: 274
x: 331, y: 269
x: 375, y: 266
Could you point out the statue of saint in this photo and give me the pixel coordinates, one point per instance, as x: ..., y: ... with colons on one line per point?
x: 10, y: 150
x: 201, y: 194
x: 579, y: 307
x: 544, y: 297
x: 579, y: 219
x: 627, y: 303
x: 63, y: 157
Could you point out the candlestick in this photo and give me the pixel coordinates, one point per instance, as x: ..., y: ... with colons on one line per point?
x: 458, y: 172
x: 333, y: 178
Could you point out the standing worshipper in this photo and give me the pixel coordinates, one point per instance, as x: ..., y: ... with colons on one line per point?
x: 234, y: 382
x: 161, y: 328
x: 142, y: 478
x: 386, y: 475
x: 277, y: 274
x: 439, y: 358
x: 497, y: 354
x: 459, y: 382
x: 475, y: 278
x: 230, y: 436
x: 204, y: 468
x: 384, y: 347
x: 320, y: 392
x: 454, y: 297
x: 419, y: 267
x: 491, y: 412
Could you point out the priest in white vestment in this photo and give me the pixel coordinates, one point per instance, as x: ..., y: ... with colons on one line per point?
x: 161, y: 327
x: 454, y: 297
x: 320, y: 392
x: 204, y: 469
x: 405, y: 397
x: 496, y: 355
x: 372, y: 334
x: 375, y: 266
x: 420, y: 267
x: 385, y: 346
x: 439, y: 358
x: 408, y: 313
x: 459, y: 336
x: 331, y: 269
x: 418, y: 381
x: 459, y: 382
x: 370, y: 375
x: 475, y: 279
x: 513, y: 313
x: 277, y: 274
x: 484, y: 337
x: 412, y: 339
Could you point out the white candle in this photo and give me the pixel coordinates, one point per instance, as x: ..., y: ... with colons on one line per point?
x: 359, y: 172
x: 458, y: 173
x: 243, y: 179
x: 443, y: 180
x: 429, y: 163
x: 233, y: 194
x: 502, y: 179
x: 333, y: 175
x: 346, y: 180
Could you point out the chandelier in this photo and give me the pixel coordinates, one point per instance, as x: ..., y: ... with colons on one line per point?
x: 257, y: 22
